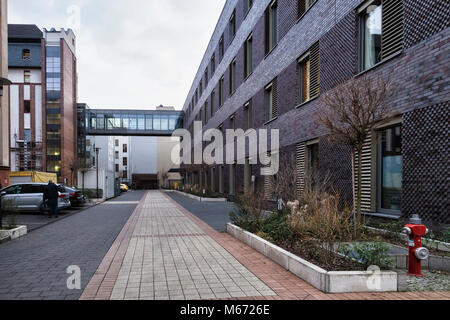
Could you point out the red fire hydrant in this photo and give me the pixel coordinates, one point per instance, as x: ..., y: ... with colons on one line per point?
x: 416, y: 230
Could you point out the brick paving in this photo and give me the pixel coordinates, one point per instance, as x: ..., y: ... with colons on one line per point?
x: 34, y: 266
x: 165, y: 252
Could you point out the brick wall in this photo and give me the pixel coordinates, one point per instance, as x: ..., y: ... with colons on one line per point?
x: 426, y: 154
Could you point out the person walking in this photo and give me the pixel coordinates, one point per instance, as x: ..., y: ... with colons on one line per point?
x: 51, y: 198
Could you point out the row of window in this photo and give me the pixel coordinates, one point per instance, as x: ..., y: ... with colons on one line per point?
x: 134, y: 122
x: 378, y: 20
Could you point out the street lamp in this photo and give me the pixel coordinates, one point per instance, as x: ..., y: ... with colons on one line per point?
x: 96, y: 164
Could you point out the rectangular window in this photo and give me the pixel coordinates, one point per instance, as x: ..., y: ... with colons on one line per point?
x: 270, y: 101
x: 125, y: 174
x: 26, y: 106
x: 232, y: 25
x: 247, y: 5
x: 164, y: 122
x: 309, y: 74
x: 125, y: 148
x: 303, y: 6
x: 221, y: 92
x: 27, y: 76
x: 26, y: 54
x: 232, y: 122
x: 117, y: 142
x: 125, y: 161
x: 313, y: 164
x: 213, y: 97
x: 117, y: 155
x: 390, y: 164
x: 205, y: 109
x: 156, y: 122
x: 148, y: 122
x: 371, y: 31
x: 248, y: 56
x: 206, y: 78
x: 117, y: 168
x: 233, y: 77
x: 249, y: 112
x: 213, y: 65
x: 271, y: 27
x: 221, y: 48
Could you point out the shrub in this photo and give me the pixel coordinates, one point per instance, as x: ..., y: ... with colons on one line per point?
x: 445, y: 235
x: 277, y: 227
x: 249, y: 213
x: 369, y: 254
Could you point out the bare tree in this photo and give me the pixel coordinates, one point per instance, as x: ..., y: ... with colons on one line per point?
x: 284, y: 183
x: 350, y: 111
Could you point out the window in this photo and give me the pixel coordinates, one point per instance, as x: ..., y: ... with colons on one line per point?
x: 232, y: 25
x: 26, y: 106
x: 390, y: 169
x: 117, y: 168
x: 221, y: 92
x: 116, y: 142
x: 371, y: 29
x: 27, y: 76
x: 213, y: 97
x: 26, y: 54
x: 303, y: 6
x: 156, y: 122
x: 271, y: 27
x: 247, y: 5
x: 248, y: 56
x: 206, y: 78
x: 205, y: 110
x: 117, y: 155
x: 125, y: 174
x: 213, y: 64
x: 125, y: 148
x: 148, y: 122
x: 53, y: 65
x: 249, y: 112
x: 232, y: 122
x: 201, y: 87
x: 381, y: 31
x: 233, y: 77
x: 270, y: 101
x: 141, y: 122
x: 308, y: 74
x: 125, y: 161
x: 221, y: 48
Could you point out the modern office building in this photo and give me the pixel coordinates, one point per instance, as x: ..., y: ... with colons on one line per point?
x: 4, y: 96
x: 43, y: 113
x: 269, y: 62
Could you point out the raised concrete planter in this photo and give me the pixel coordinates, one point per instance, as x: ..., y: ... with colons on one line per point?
x: 13, y: 233
x: 433, y: 262
x: 201, y: 199
x: 326, y: 281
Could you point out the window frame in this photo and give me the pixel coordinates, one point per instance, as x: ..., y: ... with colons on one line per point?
x: 271, y: 27
x: 232, y: 77
x: 268, y: 102
x: 248, y: 56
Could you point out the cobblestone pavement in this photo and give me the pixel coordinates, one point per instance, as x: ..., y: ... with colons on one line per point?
x: 166, y: 252
x: 34, y: 266
x: 432, y: 281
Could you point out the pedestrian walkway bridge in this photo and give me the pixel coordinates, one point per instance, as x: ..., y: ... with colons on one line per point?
x: 110, y: 122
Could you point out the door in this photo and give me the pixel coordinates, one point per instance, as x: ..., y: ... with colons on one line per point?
x: 9, y: 199
x: 30, y: 197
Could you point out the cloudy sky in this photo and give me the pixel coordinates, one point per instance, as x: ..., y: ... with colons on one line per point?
x: 131, y: 54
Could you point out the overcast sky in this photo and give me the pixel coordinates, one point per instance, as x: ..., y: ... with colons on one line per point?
x: 131, y: 54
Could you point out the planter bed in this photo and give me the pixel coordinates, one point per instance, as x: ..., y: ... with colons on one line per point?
x: 201, y: 199
x: 326, y: 281
x: 13, y: 233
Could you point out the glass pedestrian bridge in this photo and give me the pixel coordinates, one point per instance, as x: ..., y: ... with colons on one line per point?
x: 132, y: 122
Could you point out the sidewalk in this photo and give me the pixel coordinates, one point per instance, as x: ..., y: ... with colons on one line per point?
x: 166, y: 253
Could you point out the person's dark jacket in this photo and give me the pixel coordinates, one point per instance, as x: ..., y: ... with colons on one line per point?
x: 51, y: 194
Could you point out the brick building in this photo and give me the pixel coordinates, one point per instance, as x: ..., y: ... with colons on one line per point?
x: 269, y: 61
x: 4, y: 110
x: 43, y: 96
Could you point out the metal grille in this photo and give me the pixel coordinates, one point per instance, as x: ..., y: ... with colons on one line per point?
x: 392, y: 37
x: 301, y: 149
x: 314, y: 57
x: 366, y: 174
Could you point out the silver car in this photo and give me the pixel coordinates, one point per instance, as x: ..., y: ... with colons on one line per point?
x: 29, y: 197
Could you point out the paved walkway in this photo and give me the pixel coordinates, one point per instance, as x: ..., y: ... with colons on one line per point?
x: 165, y: 252
x: 35, y: 266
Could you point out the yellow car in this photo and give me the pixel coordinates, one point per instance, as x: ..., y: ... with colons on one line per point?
x: 123, y: 187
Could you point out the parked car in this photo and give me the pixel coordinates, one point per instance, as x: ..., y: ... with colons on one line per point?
x: 28, y: 197
x: 77, y: 198
x: 123, y: 187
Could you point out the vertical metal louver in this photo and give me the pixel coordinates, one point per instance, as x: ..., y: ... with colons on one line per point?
x: 392, y: 36
x: 366, y: 174
x: 300, y: 170
x: 314, y: 56
x: 274, y: 98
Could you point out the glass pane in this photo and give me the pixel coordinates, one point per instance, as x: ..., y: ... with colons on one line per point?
x: 117, y: 121
x: 133, y: 122
x: 156, y: 122
x: 100, y: 122
x: 125, y: 121
x: 391, y: 175
x: 172, y: 122
x: 165, y: 122
x: 141, y: 122
x: 372, y: 35
x: 148, y: 122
